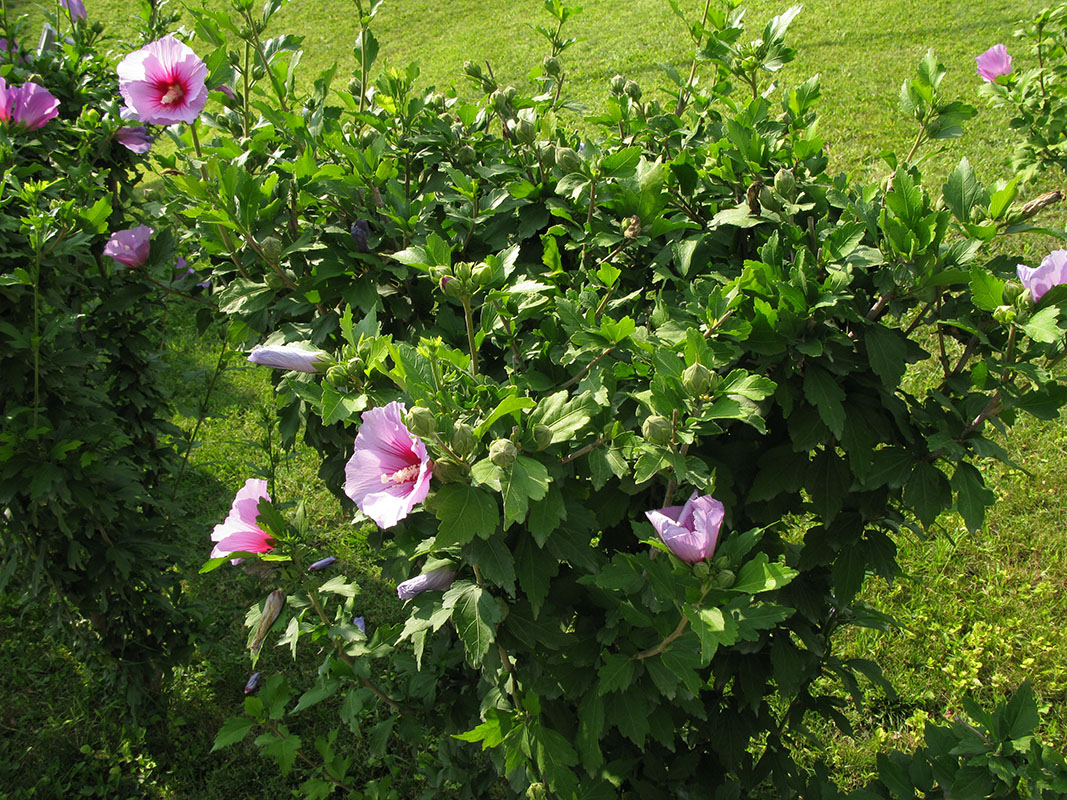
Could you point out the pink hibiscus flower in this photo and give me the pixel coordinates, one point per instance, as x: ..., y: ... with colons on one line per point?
x: 130, y: 247
x: 27, y: 106
x: 240, y: 531
x: 163, y: 82
x: 690, y: 531
x: 389, y: 473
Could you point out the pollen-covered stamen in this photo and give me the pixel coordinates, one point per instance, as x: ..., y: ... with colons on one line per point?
x: 405, y: 475
x: 174, y: 94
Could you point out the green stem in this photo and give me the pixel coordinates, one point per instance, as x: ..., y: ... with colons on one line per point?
x: 223, y: 233
x: 244, y: 96
x: 683, y: 98
x: 219, y: 367
x: 36, y: 330
x: 274, y: 729
x: 468, y: 317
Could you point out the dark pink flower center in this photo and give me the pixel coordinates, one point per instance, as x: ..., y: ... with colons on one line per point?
x: 405, y: 475
x: 174, y: 93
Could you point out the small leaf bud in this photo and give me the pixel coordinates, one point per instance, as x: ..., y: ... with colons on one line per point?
x: 421, y: 421
x: 633, y: 90
x: 657, y: 429
x: 542, y: 436
x: 551, y: 66
x: 618, y: 85
x: 697, y: 379
x: 463, y: 440
x: 503, y: 452
x: 785, y: 183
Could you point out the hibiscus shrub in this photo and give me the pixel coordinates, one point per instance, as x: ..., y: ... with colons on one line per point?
x: 634, y: 415
x: 86, y: 454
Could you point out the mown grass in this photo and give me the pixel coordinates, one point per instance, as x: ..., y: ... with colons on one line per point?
x: 980, y: 613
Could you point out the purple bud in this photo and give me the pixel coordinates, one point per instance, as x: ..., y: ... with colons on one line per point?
x: 360, y: 623
x: 445, y: 281
x: 226, y: 90
x: 253, y: 682
x: 438, y: 579
x: 322, y: 564
x: 360, y: 235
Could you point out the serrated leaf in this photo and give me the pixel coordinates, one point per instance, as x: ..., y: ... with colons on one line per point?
x: 963, y: 191
x: 621, y: 163
x: 464, y: 512
x: 826, y: 394
x: 509, y: 405
x: 1042, y: 327
x: 233, y: 730
x: 565, y: 417
x: 523, y: 481
x: 316, y: 694
x: 616, y: 673
x: 887, y: 351
x: 475, y: 612
x: 987, y: 290
x: 972, y: 495
x: 758, y: 575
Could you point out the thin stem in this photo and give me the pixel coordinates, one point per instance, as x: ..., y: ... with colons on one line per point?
x: 223, y: 233
x: 219, y: 367
x: 876, y: 310
x: 274, y: 729
x: 919, y: 318
x: 468, y: 317
x: 474, y: 221
x: 586, y: 368
x: 519, y: 363
x: 170, y: 290
x: 244, y: 96
x: 581, y: 451
x: 36, y: 328
x: 659, y: 648
x: 683, y: 98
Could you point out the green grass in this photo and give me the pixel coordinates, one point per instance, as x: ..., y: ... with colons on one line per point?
x: 981, y: 613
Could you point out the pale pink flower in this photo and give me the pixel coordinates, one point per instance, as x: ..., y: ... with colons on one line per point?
x: 27, y: 106
x: 993, y: 63
x: 437, y: 579
x: 389, y: 473
x: 163, y: 82
x: 130, y: 247
x: 76, y: 9
x: 240, y: 532
x: 135, y: 139
x: 690, y: 531
x: 1052, y: 272
x: 288, y: 356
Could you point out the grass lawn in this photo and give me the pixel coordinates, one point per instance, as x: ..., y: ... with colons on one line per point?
x: 980, y: 613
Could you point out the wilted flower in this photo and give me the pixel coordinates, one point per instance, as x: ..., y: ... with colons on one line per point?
x: 253, y: 682
x: 76, y: 9
x: 271, y: 609
x: 361, y: 234
x: 27, y: 106
x: 163, y: 82
x: 389, y: 472
x: 690, y: 531
x: 993, y: 63
x: 129, y: 247
x: 1052, y: 272
x: 288, y: 356
x: 240, y: 532
x: 135, y: 139
x: 435, y: 579
x: 322, y: 563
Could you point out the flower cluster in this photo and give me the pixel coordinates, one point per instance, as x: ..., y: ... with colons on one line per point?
x: 28, y: 106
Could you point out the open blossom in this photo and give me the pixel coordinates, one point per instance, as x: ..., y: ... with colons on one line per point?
x: 27, y: 106
x: 437, y: 579
x: 240, y: 532
x: 288, y: 356
x: 76, y: 9
x: 389, y: 473
x: 993, y: 63
x: 130, y: 247
x: 163, y: 82
x: 690, y: 531
x: 134, y: 138
x: 1052, y: 272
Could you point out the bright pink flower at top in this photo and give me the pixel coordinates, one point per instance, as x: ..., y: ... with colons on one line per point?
x: 76, y: 9
x: 1052, y: 272
x: 993, y: 63
x: 130, y: 247
x: 690, y: 531
x: 27, y: 106
x: 163, y: 82
x: 240, y: 532
x: 389, y: 473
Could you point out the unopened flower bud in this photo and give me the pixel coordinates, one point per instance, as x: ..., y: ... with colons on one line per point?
x: 1005, y: 315
x: 542, y: 436
x: 785, y: 183
x: 547, y: 152
x: 422, y: 421
x: 360, y: 623
x: 567, y: 159
x: 274, y: 280
x: 618, y: 84
x: 632, y: 90
x: 657, y: 429
x: 272, y: 249
x: 337, y: 375
x: 498, y: 102
x: 451, y: 287
x: 1012, y: 291
x: 503, y: 452
x: 697, y: 379
x: 466, y: 155
x: 482, y: 274
x: 551, y: 66
x: 769, y: 200
x: 463, y: 270
x: 725, y: 579
x: 253, y: 682
x: 632, y: 227
x: 525, y: 131
x: 445, y: 471
x: 1038, y: 203
x: 472, y: 69
x: 463, y: 440
x: 322, y: 563
x: 360, y: 234
x: 701, y: 569
x: 271, y: 609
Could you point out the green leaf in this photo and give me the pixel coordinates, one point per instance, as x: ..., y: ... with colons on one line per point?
x: 616, y: 673
x: 712, y: 629
x: 316, y: 694
x: 760, y: 576
x: 546, y: 515
x: 927, y: 492
x: 963, y: 191
x: 509, y: 405
x: 972, y: 496
x: 887, y: 350
x: 535, y: 570
x: 475, y: 612
x: 523, y: 481
x: 621, y: 163
x: 282, y: 748
x: 987, y: 290
x: 495, y: 561
x: 564, y: 417
x: 1042, y: 327
x: 233, y: 730
x: 1001, y: 200
x: 824, y: 392
x: 337, y: 407
x: 1020, y: 714
x: 842, y: 240
x: 339, y: 585
x: 464, y: 512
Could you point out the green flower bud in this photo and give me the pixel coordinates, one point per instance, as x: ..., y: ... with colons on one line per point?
x: 542, y: 436
x: 525, y: 131
x: 421, y: 421
x: 697, y: 379
x: 466, y: 155
x: 482, y: 274
x: 498, y: 102
x: 337, y: 375
x: 463, y: 439
x: 701, y: 569
x: 768, y: 200
x: 462, y: 270
x: 548, y: 154
x: 472, y: 69
x: 618, y: 85
x: 1005, y: 315
x: 633, y: 90
x: 447, y: 471
x: 721, y: 563
x: 785, y: 183
x: 725, y: 579
x: 657, y: 429
x: 452, y: 287
x: 1013, y: 290
x: 272, y: 249
x: 503, y: 452
x: 551, y: 66
x: 568, y: 160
